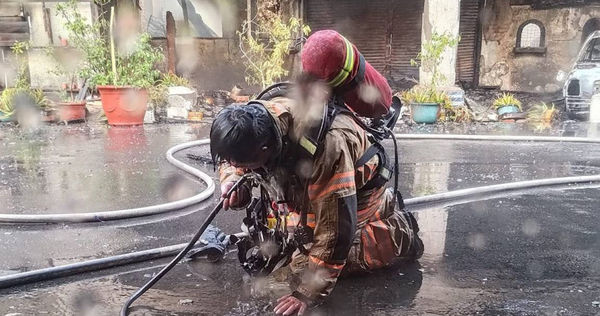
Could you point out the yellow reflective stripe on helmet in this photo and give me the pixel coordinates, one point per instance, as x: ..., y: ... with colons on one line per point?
x: 308, y: 145
x: 348, y: 66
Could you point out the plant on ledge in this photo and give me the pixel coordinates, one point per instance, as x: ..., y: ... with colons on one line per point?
x: 122, y: 77
x: 428, y: 103
x: 158, y: 93
x: 507, y: 103
x: 541, y: 116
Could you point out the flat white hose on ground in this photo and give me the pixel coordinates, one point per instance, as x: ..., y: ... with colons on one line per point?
x: 128, y: 213
x: 549, y: 139
x: 451, y: 195
x: 207, y: 193
x: 156, y: 253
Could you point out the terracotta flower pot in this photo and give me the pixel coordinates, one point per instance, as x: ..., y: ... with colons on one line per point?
x: 70, y: 111
x: 124, y: 105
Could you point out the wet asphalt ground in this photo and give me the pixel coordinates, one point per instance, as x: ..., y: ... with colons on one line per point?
x: 529, y: 253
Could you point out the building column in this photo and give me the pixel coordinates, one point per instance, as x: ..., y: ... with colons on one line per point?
x: 441, y: 16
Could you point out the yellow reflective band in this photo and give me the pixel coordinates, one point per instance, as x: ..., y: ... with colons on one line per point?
x: 308, y: 145
x: 348, y: 66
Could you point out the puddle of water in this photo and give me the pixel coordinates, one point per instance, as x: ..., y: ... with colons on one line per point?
x: 90, y: 168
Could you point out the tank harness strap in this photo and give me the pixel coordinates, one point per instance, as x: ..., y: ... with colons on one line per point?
x: 312, y: 140
x: 383, y: 173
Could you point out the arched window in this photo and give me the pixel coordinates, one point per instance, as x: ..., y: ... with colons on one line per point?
x: 590, y: 27
x: 531, y: 37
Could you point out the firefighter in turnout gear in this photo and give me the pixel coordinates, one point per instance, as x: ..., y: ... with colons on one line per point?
x: 330, y: 175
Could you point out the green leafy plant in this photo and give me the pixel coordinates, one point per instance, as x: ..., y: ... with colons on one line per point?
x: 507, y: 99
x: 420, y: 94
x: 6, y: 101
x: 20, y: 49
x: 157, y: 93
x: 266, y: 48
x: 68, y: 64
x: 9, y: 96
x: 22, y: 86
x: 431, y: 53
x: 173, y: 80
x: 540, y: 116
x: 88, y: 39
x: 134, y: 68
x: 38, y: 97
x: 430, y: 59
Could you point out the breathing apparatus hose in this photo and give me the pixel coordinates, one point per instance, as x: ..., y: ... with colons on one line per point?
x: 211, y: 216
x: 396, y: 167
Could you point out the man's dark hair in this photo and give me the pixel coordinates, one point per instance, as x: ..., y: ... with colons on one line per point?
x: 239, y: 131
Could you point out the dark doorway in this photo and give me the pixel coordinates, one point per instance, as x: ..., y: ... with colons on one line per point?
x: 469, y: 48
x: 590, y: 27
x: 387, y: 32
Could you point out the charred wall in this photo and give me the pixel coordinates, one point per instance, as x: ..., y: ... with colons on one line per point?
x: 535, y: 71
x: 210, y: 64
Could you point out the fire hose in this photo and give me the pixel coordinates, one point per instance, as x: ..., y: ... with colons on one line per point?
x: 180, y: 249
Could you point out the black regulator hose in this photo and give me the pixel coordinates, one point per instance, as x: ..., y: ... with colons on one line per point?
x: 396, y: 166
x: 182, y: 253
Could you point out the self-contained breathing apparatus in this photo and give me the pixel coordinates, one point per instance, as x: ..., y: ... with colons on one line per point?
x: 267, y: 244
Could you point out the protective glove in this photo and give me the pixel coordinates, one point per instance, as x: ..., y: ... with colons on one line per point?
x: 214, y: 242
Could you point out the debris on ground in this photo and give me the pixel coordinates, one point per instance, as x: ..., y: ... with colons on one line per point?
x: 186, y: 302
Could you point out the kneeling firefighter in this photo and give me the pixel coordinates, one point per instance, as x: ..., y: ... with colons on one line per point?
x: 329, y: 168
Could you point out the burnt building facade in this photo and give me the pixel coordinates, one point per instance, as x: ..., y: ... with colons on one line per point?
x: 525, y: 44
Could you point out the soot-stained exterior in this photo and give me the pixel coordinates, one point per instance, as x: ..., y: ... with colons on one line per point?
x: 526, y: 44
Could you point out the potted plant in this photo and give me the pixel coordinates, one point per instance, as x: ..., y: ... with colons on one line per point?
x: 428, y: 102
x: 122, y: 77
x: 22, y: 94
x: 158, y: 94
x: 12, y: 100
x: 424, y: 104
x: 541, y: 116
x: 70, y: 108
x: 72, y: 104
x: 507, y: 103
x: 125, y: 96
x: 7, y: 107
